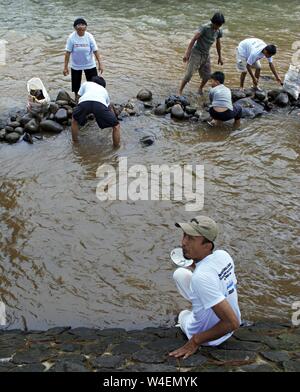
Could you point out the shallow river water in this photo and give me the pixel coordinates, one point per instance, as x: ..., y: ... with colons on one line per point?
x: 66, y: 258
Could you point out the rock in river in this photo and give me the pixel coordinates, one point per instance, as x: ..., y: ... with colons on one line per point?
x: 61, y: 115
x: 177, y: 112
x: 12, y: 137
x: 144, y: 95
x: 51, y: 126
x: 63, y: 96
x: 282, y: 100
x: 32, y: 126
x: 251, y: 109
x: 160, y: 110
x: 2, y: 134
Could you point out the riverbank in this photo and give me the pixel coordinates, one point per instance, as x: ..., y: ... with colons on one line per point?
x: 261, y: 347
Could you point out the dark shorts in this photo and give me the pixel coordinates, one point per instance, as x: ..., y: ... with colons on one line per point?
x: 236, y: 113
x: 76, y: 77
x: 104, y: 117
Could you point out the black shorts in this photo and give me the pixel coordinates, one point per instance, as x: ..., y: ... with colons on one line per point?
x: 236, y: 113
x: 104, y: 117
x: 76, y: 77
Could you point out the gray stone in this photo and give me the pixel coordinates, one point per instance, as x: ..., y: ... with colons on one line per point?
x: 177, y: 112
x: 148, y: 356
x: 32, y: 126
x: 14, y: 124
x: 69, y: 366
x: 126, y: 348
x: 31, y: 368
x: 190, y: 110
x: 193, y: 361
x: 148, y: 105
x: 273, y: 94
x: 232, y: 344
x: 61, y: 103
x: 7, y: 352
x: 95, y: 348
x: 260, y: 95
x: 51, y: 126
x: 233, y: 355
x: 108, y: 362
x: 61, y: 115
x: 12, y: 137
x: 249, y: 92
x: 19, y: 130
x: 63, y: 96
x: 160, y: 110
x: 147, y: 140
x: 84, y: 333
x: 256, y: 368
x: 57, y: 330
x: 33, y: 355
x: 70, y: 347
x: 6, y: 367
x: 2, y: 134
x: 166, y: 345
x: 250, y: 108
x: 247, y: 335
x: 237, y: 94
x: 109, y: 332
x: 25, y: 119
x: 276, y: 356
x: 291, y: 366
x: 282, y: 100
x: 144, y: 95
x: 9, y: 129
x: 53, y: 107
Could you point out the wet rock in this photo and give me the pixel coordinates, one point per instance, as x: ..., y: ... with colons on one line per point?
x: 194, y: 119
x: 14, y: 124
x: 177, y: 112
x: 97, y: 348
x: 232, y: 344
x: 256, y: 368
x: 61, y: 115
x: 53, y: 107
x: 63, y: 96
x: 19, y: 130
x: 147, y: 140
x: 282, y: 100
x: 51, y: 126
x: 160, y: 110
x: 273, y: 94
x: 233, y: 355
x: 250, y: 108
x: 148, y: 105
x: 175, y: 99
x: 291, y: 366
x: 32, y: 126
x: 27, y: 138
x: 249, y: 92
x: 276, y: 356
x: 166, y: 345
x: 2, y: 134
x: 69, y: 366
x: 51, y: 117
x: 131, y: 112
x: 25, y: 119
x: 84, y: 333
x: 115, y: 332
x: 57, y: 330
x: 148, y: 356
x: 12, y: 137
x: 126, y: 348
x: 260, y: 95
x: 237, y: 94
x: 193, y: 361
x: 33, y: 355
x: 62, y: 103
x: 190, y: 110
x: 108, y: 362
x: 9, y: 129
x: 144, y: 95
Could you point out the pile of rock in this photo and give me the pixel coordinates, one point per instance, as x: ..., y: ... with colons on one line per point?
x: 58, y: 115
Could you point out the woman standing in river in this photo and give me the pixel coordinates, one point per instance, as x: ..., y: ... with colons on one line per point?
x: 83, y: 48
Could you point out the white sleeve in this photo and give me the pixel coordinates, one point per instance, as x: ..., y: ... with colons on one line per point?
x: 69, y: 45
x: 270, y: 59
x: 82, y: 90
x: 93, y: 44
x: 208, y: 290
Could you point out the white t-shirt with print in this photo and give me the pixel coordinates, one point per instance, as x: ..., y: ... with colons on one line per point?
x: 90, y: 91
x: 82, y: 51
x: 251, y: 49
x: 212, y: 281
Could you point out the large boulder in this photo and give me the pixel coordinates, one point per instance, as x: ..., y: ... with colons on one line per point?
x: 261, y: 95
x: 144, y: 95
x: 12, y: 137
x: 250, y: 108
x: 53, y: 107
x: 51, y: 126
x: 32, y: 126
x: 177, y: 112
x: 237, y: 94
x: 282, y: 100
x: 14, y: 124
x: 273, y: 94
x: 61, y: 115
x: 190, y: 110
x: 176, y: 99
x: 19, y: 130
x: 25, y: 119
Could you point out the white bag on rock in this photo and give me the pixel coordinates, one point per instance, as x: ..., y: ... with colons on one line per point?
x: 38, y: 98
x: 292, y: 81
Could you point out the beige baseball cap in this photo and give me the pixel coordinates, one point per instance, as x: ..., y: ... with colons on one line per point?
x: 200, y: 226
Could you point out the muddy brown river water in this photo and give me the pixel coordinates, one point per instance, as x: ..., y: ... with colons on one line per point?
x: 67, y: 258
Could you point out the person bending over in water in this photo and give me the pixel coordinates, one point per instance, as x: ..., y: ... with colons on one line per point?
x: 220, y: 97
x: 94, y: 98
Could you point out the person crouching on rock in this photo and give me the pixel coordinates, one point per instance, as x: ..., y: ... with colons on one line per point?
x: 94, y: 98
x: 211, y: 287
x: 220, y: 97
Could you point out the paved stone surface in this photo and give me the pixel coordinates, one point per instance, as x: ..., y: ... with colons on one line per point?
x: 261, y: 347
